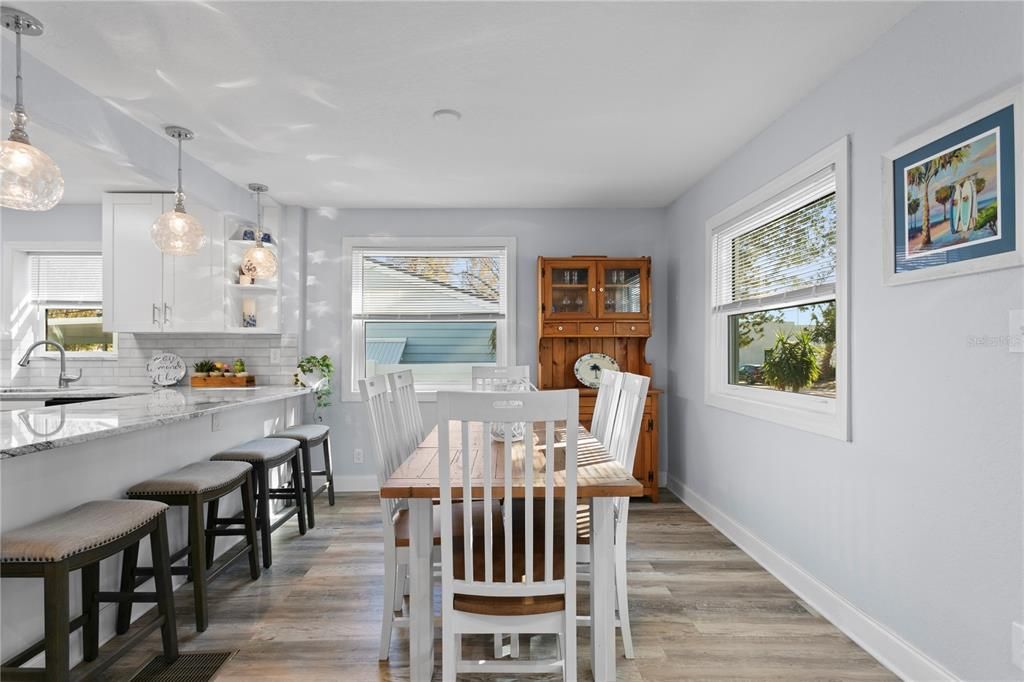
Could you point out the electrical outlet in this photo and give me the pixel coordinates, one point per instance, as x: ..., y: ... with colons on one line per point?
x: 357, y: 456
x: 275, y: 356
x: 1018, y: 644
x: 215, y: 421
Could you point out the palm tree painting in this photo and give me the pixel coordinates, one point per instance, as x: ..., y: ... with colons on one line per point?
x: 955, y: 194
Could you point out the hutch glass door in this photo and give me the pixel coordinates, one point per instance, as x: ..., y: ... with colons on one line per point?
x: 622, y: 291
x: 571, y: 288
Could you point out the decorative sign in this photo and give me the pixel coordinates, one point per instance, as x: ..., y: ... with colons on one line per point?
x: 165, y: 369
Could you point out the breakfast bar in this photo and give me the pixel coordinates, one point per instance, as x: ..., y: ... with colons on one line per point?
x: 55, y: 458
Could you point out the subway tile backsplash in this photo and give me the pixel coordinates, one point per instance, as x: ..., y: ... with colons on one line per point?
x: 135, y: 350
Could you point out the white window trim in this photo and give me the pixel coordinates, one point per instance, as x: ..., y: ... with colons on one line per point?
x: 38, y: 329
x: 825, y: 416
x: 351, y: 330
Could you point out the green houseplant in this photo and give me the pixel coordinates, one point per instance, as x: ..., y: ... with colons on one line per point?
x: 792, y: 363
x: 316, y: 371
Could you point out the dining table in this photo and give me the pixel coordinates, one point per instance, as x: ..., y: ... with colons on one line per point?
x: 600, y: 480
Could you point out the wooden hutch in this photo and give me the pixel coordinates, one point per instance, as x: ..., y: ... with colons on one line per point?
x: 596, y: 304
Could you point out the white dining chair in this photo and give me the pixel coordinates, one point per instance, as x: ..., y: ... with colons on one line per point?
x: 388, y: 448
x: 604, y: 407
x: 512, y: 578
x: 408, y: 418
x: 490, y: 378
x: 626, y: 422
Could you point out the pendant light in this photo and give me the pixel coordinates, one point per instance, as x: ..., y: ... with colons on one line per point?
x: 29, y: 179
x: 176, y: 232
x: 259, y: 261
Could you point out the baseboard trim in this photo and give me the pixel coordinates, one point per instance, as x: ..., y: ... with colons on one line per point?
x: 896, y: 654
x: 356, y: 484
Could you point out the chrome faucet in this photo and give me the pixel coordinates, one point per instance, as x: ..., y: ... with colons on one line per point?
x: 65, y: 378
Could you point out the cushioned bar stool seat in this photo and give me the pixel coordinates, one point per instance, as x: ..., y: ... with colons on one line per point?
x: 79, y: 539
x: 193, y: 486
x: 266, y: 454
x: 309, y: 436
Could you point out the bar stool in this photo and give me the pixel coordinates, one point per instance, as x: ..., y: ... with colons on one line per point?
x: 265, y: 454
x: 79, y: 539
x: 309, y: 436
x: 193, y: 486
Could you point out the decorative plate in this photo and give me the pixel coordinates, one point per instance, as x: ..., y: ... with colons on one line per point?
x: 165, y: 369
x: 588, y: 368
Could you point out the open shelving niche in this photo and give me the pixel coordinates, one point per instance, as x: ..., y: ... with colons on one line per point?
x: 265, y: 293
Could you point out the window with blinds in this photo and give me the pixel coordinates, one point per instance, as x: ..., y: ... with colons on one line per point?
x: 781, y: 253
x: 437, y: 311
x: 66, y: 277
x: 67, y: 288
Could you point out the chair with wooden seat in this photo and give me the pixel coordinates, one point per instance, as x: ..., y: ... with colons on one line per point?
x: 390, y: 455
x: 309, y: 436
x: 604, y: 406
x: 626, y: 421
x: 265, y: 455
x: 80, y: 539
x: 515, y: 578
x: 491, y: 378
x: 192, y: 486
x: 408, y: 419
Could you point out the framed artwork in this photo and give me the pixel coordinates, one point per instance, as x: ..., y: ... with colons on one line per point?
x: 953, y: 195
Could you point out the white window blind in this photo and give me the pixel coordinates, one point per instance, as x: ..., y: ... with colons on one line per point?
x: 66, y: 277
x: 453, y: 284
x: 782, y: 252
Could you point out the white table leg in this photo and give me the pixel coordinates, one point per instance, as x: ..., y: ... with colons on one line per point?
x: 421, y: 592
x: 602, y: 588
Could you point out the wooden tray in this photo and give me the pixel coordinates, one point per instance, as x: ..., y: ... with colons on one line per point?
x: 222, y: 382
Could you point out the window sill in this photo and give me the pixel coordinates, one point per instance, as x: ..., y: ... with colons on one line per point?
x: 823, y: 416
x: 79, y: 356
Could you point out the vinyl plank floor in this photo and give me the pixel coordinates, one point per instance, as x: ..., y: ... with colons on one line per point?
x: 701, y: 609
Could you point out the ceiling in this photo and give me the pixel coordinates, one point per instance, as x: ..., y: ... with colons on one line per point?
x: 563, y: 104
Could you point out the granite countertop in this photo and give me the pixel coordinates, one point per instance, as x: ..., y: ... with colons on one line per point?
x: 38, y: 429
x: 49, y: 392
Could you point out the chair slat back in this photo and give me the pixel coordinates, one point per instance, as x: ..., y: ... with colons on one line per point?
x: 604, y: 407
x: 488, y: 378
x: 627, y: 419
x: 505, y: 556
x: 384, y: 432
x: 408, y: 418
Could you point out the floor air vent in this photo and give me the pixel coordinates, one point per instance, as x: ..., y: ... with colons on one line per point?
x: 190, y: 667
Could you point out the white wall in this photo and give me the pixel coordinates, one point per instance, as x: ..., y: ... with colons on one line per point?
x: 918, y: 520
x: 538, y: 232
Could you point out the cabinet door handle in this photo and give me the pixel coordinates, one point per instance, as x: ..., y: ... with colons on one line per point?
x: 593, y: 289
x: 602, y: 289
x: 167, y: 314
x: 156, y: 314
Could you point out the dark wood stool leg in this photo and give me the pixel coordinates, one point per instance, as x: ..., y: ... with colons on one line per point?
x: 57, y: 620
x: 250, y: 527
x: 297, y: 485
x: 212, y: 508
x: 164, y: 590
x: 91, y: 611
x: 129, y: 560
x: 263, y: 511
x: 329, y: 470
x: 307, y: 477
x: 197, y: 552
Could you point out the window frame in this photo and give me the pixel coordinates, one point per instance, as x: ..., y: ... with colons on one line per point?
x: 48, y: 351
x: 817, y: 414
x: 352, y: 330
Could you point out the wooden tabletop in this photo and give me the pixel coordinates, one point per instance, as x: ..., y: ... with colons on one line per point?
x: 598, y: 475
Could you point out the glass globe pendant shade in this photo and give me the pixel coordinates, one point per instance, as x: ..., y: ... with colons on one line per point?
x: 259, y: 262
x: 177, y: 233
x: 29, y: 179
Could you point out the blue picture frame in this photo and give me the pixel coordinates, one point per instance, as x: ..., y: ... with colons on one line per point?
x: 953, y: 195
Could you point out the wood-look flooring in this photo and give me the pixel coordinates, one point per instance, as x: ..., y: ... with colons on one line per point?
x: 701, y: 609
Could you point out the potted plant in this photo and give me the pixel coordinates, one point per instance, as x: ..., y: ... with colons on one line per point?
x: 239, y: 368
x: 316, y: 371
x: 792, y: 363
x: 202, y: 368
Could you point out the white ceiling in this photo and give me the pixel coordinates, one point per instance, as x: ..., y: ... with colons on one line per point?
x: 563, y: 104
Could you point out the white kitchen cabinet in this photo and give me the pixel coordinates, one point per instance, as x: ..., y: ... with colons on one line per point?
x: 146, y: 291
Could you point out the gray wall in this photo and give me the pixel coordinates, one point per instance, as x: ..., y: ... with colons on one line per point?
x: 539, y: 233
x: 918, y: 520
